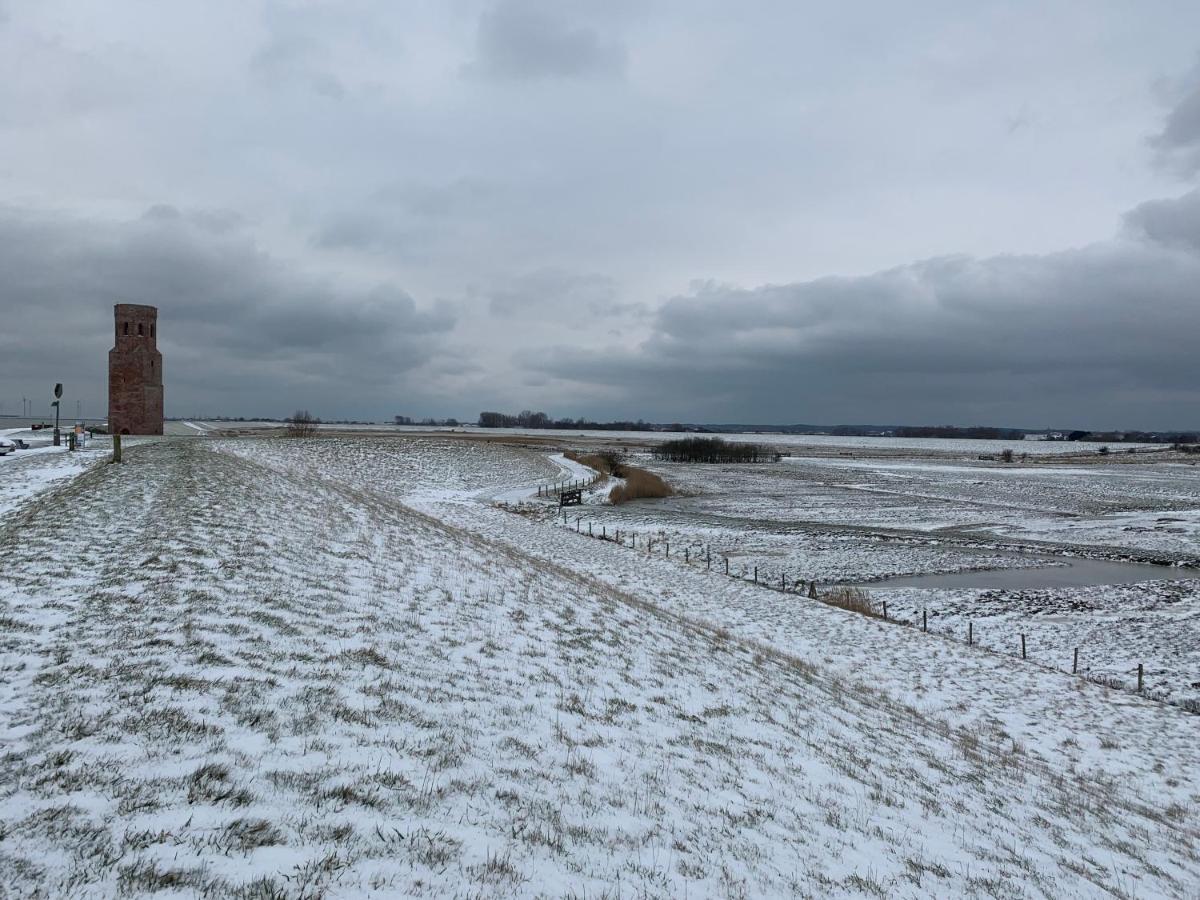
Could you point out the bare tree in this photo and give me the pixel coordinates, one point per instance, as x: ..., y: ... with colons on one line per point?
x: 302, y: 424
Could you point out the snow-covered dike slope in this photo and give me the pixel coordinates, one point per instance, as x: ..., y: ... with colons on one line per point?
x: 258, y: 672
x: 26, y: 473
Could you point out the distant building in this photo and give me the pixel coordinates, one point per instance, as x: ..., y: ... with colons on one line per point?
x: 135, y: 387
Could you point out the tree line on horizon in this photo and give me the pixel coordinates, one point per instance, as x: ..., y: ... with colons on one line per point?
x: 530, y: 419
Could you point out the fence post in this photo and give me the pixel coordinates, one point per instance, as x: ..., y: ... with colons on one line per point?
x: 756, y: 574
x: 727, y: 565
x: 589, y: 529
x: 1139, y: 678
x: 667, y: 544
x: 885, y: 610
x: 116, y: 448
x: 924, y: 620
x: 782, y: 581
x: 1022, y: 646
x: 1075, y: 663
x: 970, y: 633
x: 604, y: 532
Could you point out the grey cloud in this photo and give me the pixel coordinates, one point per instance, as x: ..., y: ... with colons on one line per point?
x: 372, y: 231
x: 305, y: 44
x: 214, y: 221
x: 405, y: 220
x: 230, y: 314
x: 545, y: 290
x: 1178, y: 144
x: 1173, y: 223
x: 523, y: 40
x: 1097, y: 337
x: 460, y: 196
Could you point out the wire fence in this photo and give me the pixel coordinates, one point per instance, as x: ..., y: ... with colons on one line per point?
x: 700, y: 555
x: 556, y: 488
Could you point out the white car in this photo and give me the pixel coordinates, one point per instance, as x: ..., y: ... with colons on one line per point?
x: 7, y: 446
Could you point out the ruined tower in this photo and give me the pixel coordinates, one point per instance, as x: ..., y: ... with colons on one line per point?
x: 135, y: 388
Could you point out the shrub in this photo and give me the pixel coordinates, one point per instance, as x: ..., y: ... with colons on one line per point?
x: 638, y: 484
x: 1006, y: 455
x: 302, y: 424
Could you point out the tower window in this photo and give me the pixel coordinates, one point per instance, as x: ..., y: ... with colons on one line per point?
x: 151, y: 331
x: 127, y: 328
x: 140, y: 332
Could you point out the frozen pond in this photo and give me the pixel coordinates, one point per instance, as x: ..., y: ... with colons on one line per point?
x: 1059, y: 572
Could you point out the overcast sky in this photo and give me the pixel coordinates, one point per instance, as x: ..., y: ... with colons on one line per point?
x: 928, y: 212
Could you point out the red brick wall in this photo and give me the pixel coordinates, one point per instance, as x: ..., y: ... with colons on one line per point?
x: 135, y: 389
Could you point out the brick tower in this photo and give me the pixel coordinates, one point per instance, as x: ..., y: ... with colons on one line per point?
x: 135, y: 388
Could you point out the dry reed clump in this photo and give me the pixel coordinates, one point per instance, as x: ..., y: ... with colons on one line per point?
x: 853, y: 599
x: 638, y: 484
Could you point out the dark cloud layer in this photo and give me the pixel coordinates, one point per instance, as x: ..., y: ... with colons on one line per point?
x: 238, y: 328
x: 1098, y: 337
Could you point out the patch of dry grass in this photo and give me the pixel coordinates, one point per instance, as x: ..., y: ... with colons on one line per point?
x: 638, y: 484
x: 853, y: 599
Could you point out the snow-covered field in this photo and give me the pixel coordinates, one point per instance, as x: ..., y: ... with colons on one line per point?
x: 837, y: 521
x: 336, y: 667
x: 822, y: 444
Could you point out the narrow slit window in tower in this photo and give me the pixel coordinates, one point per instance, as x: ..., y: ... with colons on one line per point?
x: 140, y: 332
x: 127, y: 328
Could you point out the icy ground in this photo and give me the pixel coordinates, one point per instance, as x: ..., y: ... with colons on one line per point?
x: 252, y: 668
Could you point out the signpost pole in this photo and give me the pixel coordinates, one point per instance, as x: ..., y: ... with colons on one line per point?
x: 55, y: 404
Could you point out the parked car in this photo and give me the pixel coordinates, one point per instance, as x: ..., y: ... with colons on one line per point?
x: 7, y: 446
